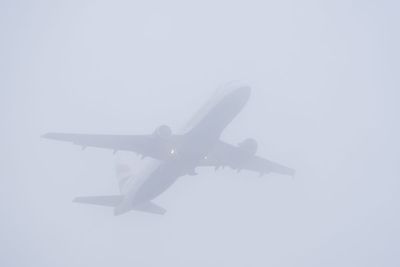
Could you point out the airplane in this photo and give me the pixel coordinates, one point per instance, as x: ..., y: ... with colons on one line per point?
x: 177, y: 155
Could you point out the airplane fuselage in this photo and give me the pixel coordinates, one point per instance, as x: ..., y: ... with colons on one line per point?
x: 194, y: 147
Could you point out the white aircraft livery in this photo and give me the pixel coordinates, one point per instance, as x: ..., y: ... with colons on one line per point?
x: 176, y: 155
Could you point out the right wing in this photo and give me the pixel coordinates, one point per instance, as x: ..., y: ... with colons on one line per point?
x: 225, y: 154
x: 146, y: 145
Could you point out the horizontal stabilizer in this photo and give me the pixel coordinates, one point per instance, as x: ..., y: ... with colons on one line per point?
x: 147, y: 207
x: 150, y: 208
x: 108, y: 201
x: 116, y: 201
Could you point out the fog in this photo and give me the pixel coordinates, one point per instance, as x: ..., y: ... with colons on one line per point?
x: 325, y: 101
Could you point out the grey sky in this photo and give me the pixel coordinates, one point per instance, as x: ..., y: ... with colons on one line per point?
x: 325, y: 101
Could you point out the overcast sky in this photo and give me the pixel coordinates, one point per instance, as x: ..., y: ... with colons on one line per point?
x: 325, y: 101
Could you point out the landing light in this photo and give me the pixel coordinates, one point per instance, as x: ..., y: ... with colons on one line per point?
x: 172, y: 151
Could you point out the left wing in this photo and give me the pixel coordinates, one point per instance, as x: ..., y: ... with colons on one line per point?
x: 228, y: 155
x: 146, y: 145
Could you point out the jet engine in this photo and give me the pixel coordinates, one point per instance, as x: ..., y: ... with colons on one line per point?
x: 163, y: 132
x: 249, y: 146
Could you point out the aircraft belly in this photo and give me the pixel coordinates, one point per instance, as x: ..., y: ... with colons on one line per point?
x: 159, y: 181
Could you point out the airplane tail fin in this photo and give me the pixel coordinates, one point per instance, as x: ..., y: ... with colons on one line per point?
x: 108, y: 201
x: 123, y: 174
x: 120, y: 207
x: 125, y: 171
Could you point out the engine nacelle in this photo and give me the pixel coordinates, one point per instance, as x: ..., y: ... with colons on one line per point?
x: 249, y: 146
x: 163, y: 132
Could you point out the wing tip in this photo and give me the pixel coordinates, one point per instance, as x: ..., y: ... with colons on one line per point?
x: 46, y: 135
x: 51, y: 135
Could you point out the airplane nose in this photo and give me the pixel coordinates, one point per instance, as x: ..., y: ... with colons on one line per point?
x: 244, y: 92
x: 238, y: 90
